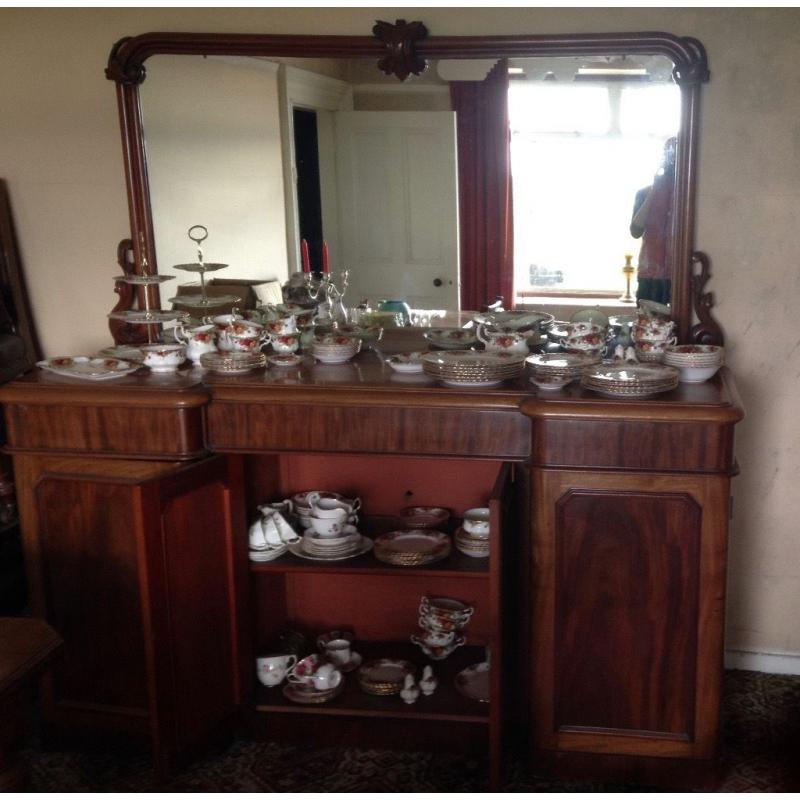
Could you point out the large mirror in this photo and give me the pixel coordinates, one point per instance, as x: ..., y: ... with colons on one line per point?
x: 268, y: 149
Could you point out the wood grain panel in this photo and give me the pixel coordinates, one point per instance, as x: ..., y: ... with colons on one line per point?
x: 627, y: 572
x: 617, y: 592
x: 87, y: 537
x: 106, y: 430
x: 439, y: 431
x: 195, y: 526
x: 194, y: 555
x: 632, y: 444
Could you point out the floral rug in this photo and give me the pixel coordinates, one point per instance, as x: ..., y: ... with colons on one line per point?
x: 759, y: 752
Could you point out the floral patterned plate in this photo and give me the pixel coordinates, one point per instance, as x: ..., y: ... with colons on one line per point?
x: 87, y: 368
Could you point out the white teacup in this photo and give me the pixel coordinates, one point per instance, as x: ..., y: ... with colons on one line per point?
x: 338, y: 652
x: 327, y: 677
x: 241, y: 337
x: 163, y: 357
x: 285, y: 530
x: 330, y: 507
x: 503, y: 341
x: 583, y: 328
x: 476, y: 522
x: 272, y: 669
x: 435, y: 637
x: 285, y: 343
x: 223, y: 321
x: 282, y: 325
x: 329, y: 526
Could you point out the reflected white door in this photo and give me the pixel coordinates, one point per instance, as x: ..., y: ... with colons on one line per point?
x: 398, y: 206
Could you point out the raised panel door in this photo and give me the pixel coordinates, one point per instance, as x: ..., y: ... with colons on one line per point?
x: 628, y: 603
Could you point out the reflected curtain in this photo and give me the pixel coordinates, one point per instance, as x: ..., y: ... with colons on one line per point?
x: 484, y: 189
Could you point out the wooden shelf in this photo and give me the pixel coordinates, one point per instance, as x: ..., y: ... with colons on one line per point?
x: 456, y: 564
x: 446, y: 704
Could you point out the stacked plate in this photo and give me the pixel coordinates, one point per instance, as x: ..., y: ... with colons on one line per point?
x: 331, y: 548
x: 384, y: 676
x: 630, y: 380
x: 412, y: 548
x: 423, y: 516
x: 468, y: 368
x: 555, y: 370
x: 333, y: 348
x: 233, y: 363
x: 469, y: 545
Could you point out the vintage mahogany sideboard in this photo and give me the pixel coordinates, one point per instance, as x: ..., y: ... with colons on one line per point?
x: 602, y: 602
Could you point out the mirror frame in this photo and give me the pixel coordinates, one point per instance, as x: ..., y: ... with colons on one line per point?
x: 402, y: 49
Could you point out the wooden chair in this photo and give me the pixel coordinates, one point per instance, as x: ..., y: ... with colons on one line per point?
x: 27, y: 647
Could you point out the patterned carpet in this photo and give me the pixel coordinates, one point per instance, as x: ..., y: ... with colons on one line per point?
x: 760, y: 752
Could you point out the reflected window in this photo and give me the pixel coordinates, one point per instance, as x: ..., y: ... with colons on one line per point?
x: 579, y: 155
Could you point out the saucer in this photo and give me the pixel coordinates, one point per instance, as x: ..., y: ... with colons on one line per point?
x: 284, y: 359
x: 268, y: 555
x: 353, y: 663
x: 307, y: 695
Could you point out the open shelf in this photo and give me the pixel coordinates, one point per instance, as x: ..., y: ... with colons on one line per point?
x: 455, y: 564
x: 446, y: 704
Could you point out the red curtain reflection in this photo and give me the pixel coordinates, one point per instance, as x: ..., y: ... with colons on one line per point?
x: 484, y: 188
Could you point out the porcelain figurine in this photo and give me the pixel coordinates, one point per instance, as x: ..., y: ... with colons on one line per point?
x: 428, y: 682
x: 410, y: 690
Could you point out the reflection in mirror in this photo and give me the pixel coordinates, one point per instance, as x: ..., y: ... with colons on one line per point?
x: 588, y: 142
x: 229, y: 141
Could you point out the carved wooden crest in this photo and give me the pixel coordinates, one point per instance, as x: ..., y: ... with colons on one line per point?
x: 401, y: 60
x: 707, y: 330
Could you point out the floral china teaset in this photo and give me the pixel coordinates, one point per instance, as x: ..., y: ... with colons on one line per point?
x: 233, y: 343
x: 319, y: 677
x: 324, y: 526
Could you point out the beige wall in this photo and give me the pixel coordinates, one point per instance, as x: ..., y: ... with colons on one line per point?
x: 60, y: 151
x: 213, y: 138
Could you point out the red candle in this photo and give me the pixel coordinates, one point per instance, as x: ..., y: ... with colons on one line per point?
x: 326, y: 267
x: 305, y: 256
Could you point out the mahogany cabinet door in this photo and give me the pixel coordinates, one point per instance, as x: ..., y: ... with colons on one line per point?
x: 138, y: 566
x: 193, y: 572
x: 627, y: 612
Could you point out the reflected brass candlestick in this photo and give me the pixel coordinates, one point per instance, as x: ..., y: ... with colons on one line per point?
x: 628, y: 271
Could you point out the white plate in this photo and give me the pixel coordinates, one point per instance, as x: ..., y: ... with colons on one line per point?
x: 87, y: 368
x: 287, y: 360
x: 451, y: 338
x: 515, y: 320
x: 365, y: 547
x: 471, y: 384
x: 473, y: 359
x: 126, y: 352
x: 405, y: 362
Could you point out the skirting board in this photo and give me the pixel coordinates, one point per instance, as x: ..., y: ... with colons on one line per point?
x: 774, y: 663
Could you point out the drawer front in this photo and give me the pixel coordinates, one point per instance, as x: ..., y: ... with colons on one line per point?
x: 135, y: 432
x: 478, y: 433
x: 632, y: 444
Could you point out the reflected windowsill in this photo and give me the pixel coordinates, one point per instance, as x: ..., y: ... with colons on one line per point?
x: 587, y: 301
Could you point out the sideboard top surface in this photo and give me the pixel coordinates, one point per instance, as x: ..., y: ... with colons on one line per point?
x: 368, y: 380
